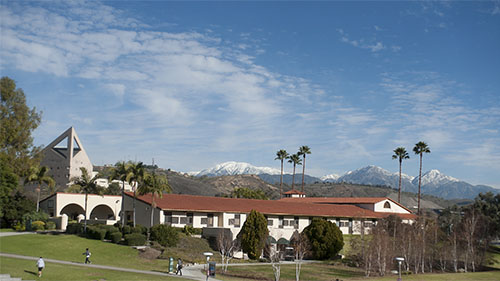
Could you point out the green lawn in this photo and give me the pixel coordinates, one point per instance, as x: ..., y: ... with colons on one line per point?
x: 310, y: 271
x: 6, y: 230
x: 71, y: 248
x: 27, y: 270
x: 477, y: 276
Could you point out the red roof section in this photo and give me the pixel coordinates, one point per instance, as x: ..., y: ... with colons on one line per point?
x: 342, y: 200
x: 293, y: 191
x: 181, y: 202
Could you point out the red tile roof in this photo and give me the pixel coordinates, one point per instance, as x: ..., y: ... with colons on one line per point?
x: 179, y: 202
x: 342, y: 200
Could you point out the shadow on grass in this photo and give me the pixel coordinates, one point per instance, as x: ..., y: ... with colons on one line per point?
x: 31, y: 272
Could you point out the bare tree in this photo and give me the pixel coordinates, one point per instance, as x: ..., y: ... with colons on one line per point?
x: 301, y: 247
x: 469, y: 225
x: 276, y: 264
x: 227, y: 247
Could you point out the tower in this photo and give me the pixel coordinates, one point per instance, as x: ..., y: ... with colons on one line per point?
x: 64, y: 156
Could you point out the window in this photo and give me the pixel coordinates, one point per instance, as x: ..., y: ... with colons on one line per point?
x: 175, y: 220
x: 50, y: 204
x: 387, y: 205
x: 296, y: 223
x: 204, y: 221
x: 269, y: 222
x: 183, y: 220
x: 344, y: 224
x: 281, y: 222
x: 237, y: 220
x: 368, y: 223
x: 190, y: 218
x: 231, y: 221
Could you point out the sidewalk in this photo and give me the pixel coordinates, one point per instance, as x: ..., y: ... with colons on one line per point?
x: 190, y: 272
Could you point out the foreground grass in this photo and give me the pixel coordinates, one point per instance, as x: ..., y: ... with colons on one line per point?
x: 71, y: 248
x: 6, y: 230
x: 27, y: 270
x: 476, y: 276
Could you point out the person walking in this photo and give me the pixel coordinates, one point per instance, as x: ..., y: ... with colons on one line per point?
x: 179, y: 267
x: 40, y: 264
x: 87, y: 256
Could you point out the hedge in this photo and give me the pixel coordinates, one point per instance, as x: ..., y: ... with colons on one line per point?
x: 166, y: 235
x: 74, y: 228
x: 135, y: 239
x: 96, y: 233
x: 37, y: 225
x: 116, y: 237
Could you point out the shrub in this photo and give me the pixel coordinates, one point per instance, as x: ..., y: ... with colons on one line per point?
x: 116, y: 237
x: 166, y: 235
x: 18, y: 226
x: 74, y: 228
x: 127, y: 229
x: 37, y: 225
x: 50, y: 225
x: 325, y: 237
x: 135, y: 239
x: 139, y: 229
x: 109, y: 231
x: 253, y: 234
x: 95, y: 233
x: 188, y: 230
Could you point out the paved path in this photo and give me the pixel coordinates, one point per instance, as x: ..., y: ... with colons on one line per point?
x: 190, y: 272
x: 4, y: 234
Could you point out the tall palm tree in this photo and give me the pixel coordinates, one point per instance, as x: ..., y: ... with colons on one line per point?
x: 295, y: 159
x: 303, y: 150
x: 87, y: 185
x: 420, y: 148
x: 134, y: 177
x: 120, y: 172
x: 40, y: 176
x: 281, y: 155
x: 400, y: 153
x: 156, y: 185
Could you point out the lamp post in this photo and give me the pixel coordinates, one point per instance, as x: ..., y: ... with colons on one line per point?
x: 399, y: 260
x: 208, y: 255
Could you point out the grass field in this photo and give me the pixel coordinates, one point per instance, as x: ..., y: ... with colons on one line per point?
x: 27, y: 270
x: 6, y: 230
x: 71, y: 248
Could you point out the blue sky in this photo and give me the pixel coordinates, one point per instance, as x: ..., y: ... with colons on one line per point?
x: 194, y: 84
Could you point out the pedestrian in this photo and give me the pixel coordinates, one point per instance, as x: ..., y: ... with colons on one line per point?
x: 179, y: 267
x: 208, y: 272
x: 40, y: 264
x: 87, y: 256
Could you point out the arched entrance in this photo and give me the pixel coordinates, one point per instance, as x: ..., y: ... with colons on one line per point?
x: 72, y: 211
x: 102, y: 212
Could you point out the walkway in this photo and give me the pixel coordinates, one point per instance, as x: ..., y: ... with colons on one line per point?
x: 190, y: 272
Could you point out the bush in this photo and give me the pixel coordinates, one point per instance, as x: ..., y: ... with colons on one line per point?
x: 189, y: 230
x: 50, y: 225
x: 139, y: 229
x: 116, y: 237
x: 127, y: 229
x: 18, y: 226
x: 95, y: 233
x: 37, y: 225
x: 74, y: 228
x: 35, y: 216
x: 109, y: 231
x: 325, y: 238
x: 135, y: 239
x: 166, y: 235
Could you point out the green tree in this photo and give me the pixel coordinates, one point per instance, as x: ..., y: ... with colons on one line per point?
x: 8, y: 184
x: 244, y: 192
x: 40, y: 176
x: 488, y: 205
x: 135, y: 177
x: 303, y: 150
x: 17, y: 122
x: 113, y: 189
x: 253, y: 234
x: 400, y: 154
x: 295, y: 159
x: 87, y: 185
x: 120, y: 172
x: 281, y: 155
x: 419, y: 149
x: 325, y: 238
x: 156, y: 185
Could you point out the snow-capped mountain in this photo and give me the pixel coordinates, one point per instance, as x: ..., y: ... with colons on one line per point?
x: 433, y: 181
x: 373, y: 175
x: 235, y: 168
x: 330, y: 178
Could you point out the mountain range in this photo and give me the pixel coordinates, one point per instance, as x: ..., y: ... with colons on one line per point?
x: 433, y: 182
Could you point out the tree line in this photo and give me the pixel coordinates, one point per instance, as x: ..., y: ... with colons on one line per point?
x: 455, y: 240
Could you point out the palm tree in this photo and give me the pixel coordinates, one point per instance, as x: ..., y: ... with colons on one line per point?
x: 295, y: 159
x: 87, y: 185
x: 156, y: 185
x: 40, y: 176
x: 400, y: 153
x: 281, y: 155
x: 134, y: 177
x: 120, y: 172
x: 420, y: 148
x: 303, y: 150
